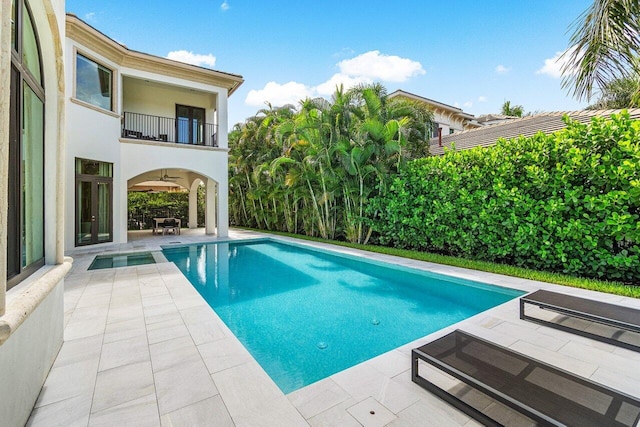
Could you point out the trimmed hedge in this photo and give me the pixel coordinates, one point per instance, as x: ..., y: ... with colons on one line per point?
x: 567, y: 202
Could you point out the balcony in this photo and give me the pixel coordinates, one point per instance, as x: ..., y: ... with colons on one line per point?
x: 166, y: 129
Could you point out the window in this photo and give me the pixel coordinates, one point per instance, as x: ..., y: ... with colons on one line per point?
x: 434, y: 129
x: 25, y: 220
x: 93, y: 83
x: 451, y: 131
x: 190, y: 124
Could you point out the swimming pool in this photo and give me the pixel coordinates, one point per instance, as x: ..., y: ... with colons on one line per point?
x: 305, y: 314
x: 122, y: 260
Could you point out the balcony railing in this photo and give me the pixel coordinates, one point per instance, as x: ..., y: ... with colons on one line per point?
x: 166, y: 129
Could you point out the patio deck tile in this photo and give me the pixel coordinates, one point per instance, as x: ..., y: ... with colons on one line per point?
x: 202, y: 413
x: 123, y: 384
x: 124, y: 352
x: 183, y: 384
x: 142, y: 412
x: 336, y: 416
x: 370, y: 413
x: 72, y: 412
x: 318, y: 397
x: 166, y: 358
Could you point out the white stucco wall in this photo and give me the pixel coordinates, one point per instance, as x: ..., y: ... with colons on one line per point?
x: 95, y: 134
x: 31, y: 327
x: 27, y: 356
x: 137, y: 158
x: 161, y: 100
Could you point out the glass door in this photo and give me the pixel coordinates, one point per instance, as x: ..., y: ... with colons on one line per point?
x: 190, y: 124
x: 94, y: 202
x: 93, y: 215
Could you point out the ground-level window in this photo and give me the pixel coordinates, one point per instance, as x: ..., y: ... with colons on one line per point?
x: 190, y: 124
x: 25, y: 219
x: 93, y: 83
x: 94, y: 201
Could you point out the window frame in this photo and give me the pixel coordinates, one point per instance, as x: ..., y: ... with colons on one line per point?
x: 22, y: 79
x: 113, y: 81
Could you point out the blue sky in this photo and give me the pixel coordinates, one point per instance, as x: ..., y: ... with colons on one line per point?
x: 474, y: 55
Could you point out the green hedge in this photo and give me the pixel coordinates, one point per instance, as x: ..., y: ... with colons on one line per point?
x: 567, y: 202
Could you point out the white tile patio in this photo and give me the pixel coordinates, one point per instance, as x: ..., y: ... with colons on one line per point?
x: 143, y: 348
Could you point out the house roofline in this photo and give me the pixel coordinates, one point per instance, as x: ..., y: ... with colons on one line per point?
x: 85, y: 34
x: 437, y: 104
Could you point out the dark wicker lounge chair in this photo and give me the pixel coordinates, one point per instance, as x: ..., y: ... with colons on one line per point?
x: 617, y: 318
x: 546, y: 395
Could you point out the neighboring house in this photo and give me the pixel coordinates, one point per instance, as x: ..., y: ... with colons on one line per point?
x: 446, y: 118
x: 512, y: 128
x: 82, y: 120
x: 492, y: 119
x: 134, y: 118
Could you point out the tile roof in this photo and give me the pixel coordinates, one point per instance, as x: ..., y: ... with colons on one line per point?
x: 525, y: 126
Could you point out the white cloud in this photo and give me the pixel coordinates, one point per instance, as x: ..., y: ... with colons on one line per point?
x: 553, y: 66
x: 277, y: 94
x: 468, y: 104
x: 90, y: 17
x: 365, y: 68
x: 482, y: 98
x: 193, y: 58
x: 329, y: 87
x: 377, y: 66
x: 224, y: 6
x: 501, y: 69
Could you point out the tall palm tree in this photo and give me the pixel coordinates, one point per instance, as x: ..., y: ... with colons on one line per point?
x: 605, y: 45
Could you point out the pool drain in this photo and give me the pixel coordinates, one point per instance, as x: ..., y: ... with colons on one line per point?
x: 322, y: 345
x: 375, y: 321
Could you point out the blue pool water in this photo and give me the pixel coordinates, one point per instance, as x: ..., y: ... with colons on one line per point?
x: 306, y: 314
x: 121, y: 260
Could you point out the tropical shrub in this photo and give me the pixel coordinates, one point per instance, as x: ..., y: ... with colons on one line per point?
x: 311, y: 170
x: 142, y: 207
x: 566, y: 202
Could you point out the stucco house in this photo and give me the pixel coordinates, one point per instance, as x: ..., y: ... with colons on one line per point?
x: 447, y: 119
x: 82, y: 120
x: 133, y: 118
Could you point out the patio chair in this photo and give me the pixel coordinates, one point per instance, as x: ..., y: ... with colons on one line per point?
x: 541, y: 392
x: 621, y: 324
x: 170, y: 225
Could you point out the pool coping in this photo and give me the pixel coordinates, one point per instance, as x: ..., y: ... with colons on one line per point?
x: 381, y: 384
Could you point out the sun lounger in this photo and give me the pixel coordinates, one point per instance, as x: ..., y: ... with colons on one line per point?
x: 615, y: 316
x: 547, y: 395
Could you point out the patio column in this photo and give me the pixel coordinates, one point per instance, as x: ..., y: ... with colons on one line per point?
x: 210, y: 208
x: 193, y: 204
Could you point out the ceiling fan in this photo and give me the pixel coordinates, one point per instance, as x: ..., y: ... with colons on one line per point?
x: 166, y: 177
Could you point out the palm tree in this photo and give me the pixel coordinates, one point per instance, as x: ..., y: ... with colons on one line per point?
x: 617, y: 94
x: 514, y: 111
x: 604, y: 46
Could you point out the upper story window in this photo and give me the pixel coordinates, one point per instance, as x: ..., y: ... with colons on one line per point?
x: 452, y: 131
x: 434, y: 129
x: 94, y: 83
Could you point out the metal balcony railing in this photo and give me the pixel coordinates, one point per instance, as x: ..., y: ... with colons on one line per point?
x: 166, y: 129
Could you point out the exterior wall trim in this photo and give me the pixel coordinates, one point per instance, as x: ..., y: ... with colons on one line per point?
x: 24, y: 305
x: 93, y: 39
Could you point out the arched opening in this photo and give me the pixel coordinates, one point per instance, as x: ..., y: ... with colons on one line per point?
x: 177, y: 194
